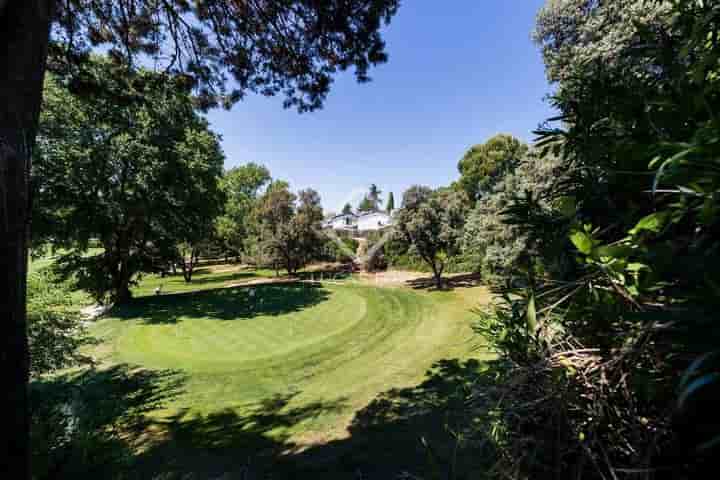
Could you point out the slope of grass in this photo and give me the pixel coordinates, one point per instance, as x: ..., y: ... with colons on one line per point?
x: 291, y: 363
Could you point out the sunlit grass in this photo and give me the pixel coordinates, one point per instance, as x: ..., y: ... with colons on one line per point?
x: 335, y: 344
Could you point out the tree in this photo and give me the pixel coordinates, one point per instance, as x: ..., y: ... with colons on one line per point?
x: 390, y: 203
x: 432, y: 222
x: 482, y: 164
x: 366, y: 205
x: 371, y: 201
x: 160, y: 187
x: 492, y: 246
x: 241, y: 186
x: 290, y: 232
x: 202, y: 42
x: 347, y: 209
x: 623, y: 245
x: 24, y: 30
x: 307, y: 225
x: 374, y: 196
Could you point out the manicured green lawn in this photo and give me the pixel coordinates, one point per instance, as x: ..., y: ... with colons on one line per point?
x: 237, y: 347
x: 204, y: 278
x: 280, y: 365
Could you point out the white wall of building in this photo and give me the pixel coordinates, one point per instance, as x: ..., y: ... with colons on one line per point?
x: 373, y: 221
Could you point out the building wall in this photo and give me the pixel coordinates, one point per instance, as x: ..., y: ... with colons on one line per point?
x: 373, y: 221
x: 343, y: 222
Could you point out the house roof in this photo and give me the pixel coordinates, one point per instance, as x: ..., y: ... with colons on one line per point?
x: 367, y: 214
x: 330, y: 219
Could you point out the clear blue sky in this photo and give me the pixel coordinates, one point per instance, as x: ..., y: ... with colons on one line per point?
x: 459, y: 72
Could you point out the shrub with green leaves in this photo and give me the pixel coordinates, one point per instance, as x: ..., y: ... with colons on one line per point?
x: 491, y: 245
x: 608, y: 341
x: 55, y: 329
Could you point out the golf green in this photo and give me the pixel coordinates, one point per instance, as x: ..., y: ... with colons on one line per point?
x: 309, y: 343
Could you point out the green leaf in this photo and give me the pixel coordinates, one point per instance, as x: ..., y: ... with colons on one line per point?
x: 674, y: 159
x: 651, y: 223
x: 582, y: 241
x: 567, y: 206
x: 614, y: 251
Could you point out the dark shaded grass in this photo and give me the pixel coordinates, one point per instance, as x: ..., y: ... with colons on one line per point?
x: 237, y: 303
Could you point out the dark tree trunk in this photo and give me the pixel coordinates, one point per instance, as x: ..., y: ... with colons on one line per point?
x: 188, y: 267
x: 24, y: 32
x: 122, y: 282
x: 437, y: 275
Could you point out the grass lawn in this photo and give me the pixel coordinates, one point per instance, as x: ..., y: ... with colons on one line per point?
x: 296, y: 378
x: 204, y: 278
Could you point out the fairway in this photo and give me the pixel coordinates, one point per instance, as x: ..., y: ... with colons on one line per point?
x: 235, y: 347
x: 281, y: 365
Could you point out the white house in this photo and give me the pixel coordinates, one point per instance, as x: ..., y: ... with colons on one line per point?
x: 363, y: 222
x: 373, y: 221
x: 344, y: 221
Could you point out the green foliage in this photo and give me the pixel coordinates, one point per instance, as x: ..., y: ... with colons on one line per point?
x: 241, y: 186
x: 366, y: 205
x: 390, y: 203
x: 132, y: 166
x: 432, y: 223
x: 290, y: 226
x: 484, y: 163
x: 207, y: 43
x: 347, y: 209
x: 492, y: 246
x: 622, y: 257
x: 371, y: 201
x: 80, y: 422
x: 55, y: 330
x: 333, y: 252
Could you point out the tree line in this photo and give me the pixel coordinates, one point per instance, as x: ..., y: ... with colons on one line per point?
x: 199, y: 44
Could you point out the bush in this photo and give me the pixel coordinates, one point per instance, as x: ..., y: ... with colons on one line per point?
x: 55, y: 329
x: 332, y: 252
x: 492, y: 246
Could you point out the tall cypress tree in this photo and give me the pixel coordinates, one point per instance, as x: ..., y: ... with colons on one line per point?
x: 390, y: 203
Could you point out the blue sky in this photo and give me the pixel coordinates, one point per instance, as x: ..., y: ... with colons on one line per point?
x: 459, y: 72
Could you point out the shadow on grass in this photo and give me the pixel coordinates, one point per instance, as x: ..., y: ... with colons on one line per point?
x: 413, y: 431
x: 237, y: 303
x: 80, y: 421
x: 226, y: 444
x: 404, y: 433
x: 199, y: 280
x: 335, y: 272
x: 390, y: 437
x: 450, y: 282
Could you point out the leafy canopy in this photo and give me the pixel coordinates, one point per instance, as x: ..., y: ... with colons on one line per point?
x: 241, y: 186
x: 432, y: 222
x: 132, y: 166
x: 484, y: 163
x: 292, y: 48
